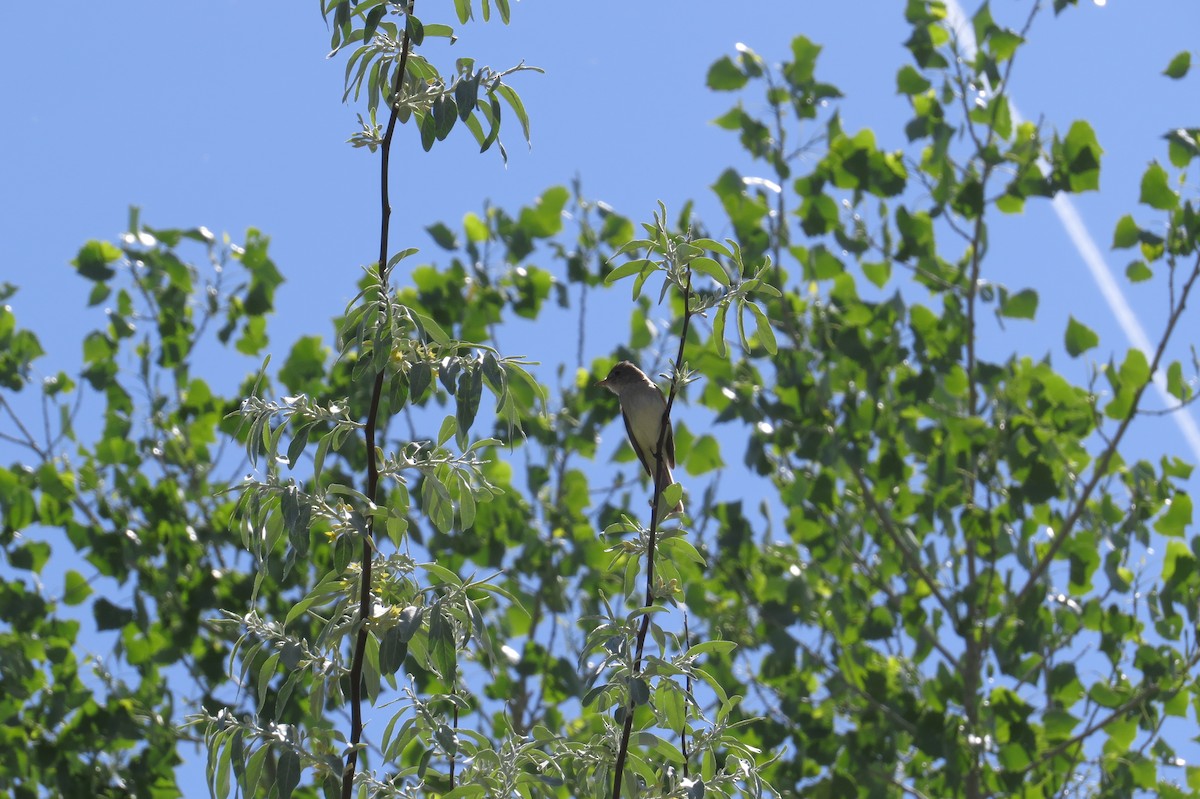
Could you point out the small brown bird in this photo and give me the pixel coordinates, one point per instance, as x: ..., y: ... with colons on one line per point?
x: 642, y: 405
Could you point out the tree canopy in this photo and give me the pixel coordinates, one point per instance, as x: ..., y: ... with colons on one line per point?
x: 908, y: 566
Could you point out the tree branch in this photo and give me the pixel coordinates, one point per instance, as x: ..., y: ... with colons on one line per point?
x: 659, y: 476
x: 364, y: 601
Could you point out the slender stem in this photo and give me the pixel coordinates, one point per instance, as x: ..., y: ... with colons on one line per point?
x: 660, y: 474
x: 364, y: 601
x: 452, y: 758
x: 683, y: 741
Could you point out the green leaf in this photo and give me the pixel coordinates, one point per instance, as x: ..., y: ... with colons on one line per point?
x: 470, y: 390
x: 287, y: 772
x: 420, y: 375
x: 710, y: 267
x: 1138, y: 271
x: 442, y: 236
x: 1105, y: 696
x: 709, y: 647
x: 437, y: 503
x: 1179, y: 65
x: 93, y: 259
x: 1009, y: 203
x: 878, y: 273
x: 1178, y: 515
x: 672, y: 495
x: 253, y: 770
x: 440, y: 31
x: 392, y: 651
x: 1022, y: 305
x: 669, y: 702
x: 31, y: 556
x: 1126, y: 234
x: 109, y: 616
x: 802, y: 68
x: 1080, y: 158
x: 1059, y: 724
x: 916, y: 232
x: 443, y: 652
x: 909, y: 81
x: 718, y: 332
x: 1178, y: 561
x: 818, y: 214
x: 428, y: 130
x: 1156, y: 189
x: 448, y: 428
x: 432, y: 329
x: 254, y: 336
x: 724, y: 75
x: 76, y: 589
x: 466, y: 95
x: 1135, y: 369
x: 766, y: 336
x: 445, y: 114
x: 1177, y: 387
x: 1080, y: 338
x: 1183, y: 145
x: 634, y: 267
x: 545, y: 218
x: 704, y: 455
x: 466, y: 792
x: 466, y: 502
x: 304, y: 369
x: 1003, y: 44
x: 475, y: 228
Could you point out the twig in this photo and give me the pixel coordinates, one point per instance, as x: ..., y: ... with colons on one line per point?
x: 683, y: 745
x: 364, y: 602
x: 659, y: 476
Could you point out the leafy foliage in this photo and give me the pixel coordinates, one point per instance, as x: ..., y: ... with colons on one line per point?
x: 433, y: 103
x: 129, y: 475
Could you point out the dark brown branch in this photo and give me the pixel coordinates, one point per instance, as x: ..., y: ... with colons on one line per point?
x: 683, y: 744
x: 659, y: 476
x: 364, y: 601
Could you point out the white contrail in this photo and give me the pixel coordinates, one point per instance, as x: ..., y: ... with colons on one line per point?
x: 1086, y: 245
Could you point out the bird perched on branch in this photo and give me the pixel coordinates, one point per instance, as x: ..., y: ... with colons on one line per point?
x: 642, y: 406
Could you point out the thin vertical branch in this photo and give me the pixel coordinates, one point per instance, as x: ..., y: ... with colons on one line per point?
x: 683, y: 744
x: 659, y: 477
x: 453, y: 759
x: 364, y: 601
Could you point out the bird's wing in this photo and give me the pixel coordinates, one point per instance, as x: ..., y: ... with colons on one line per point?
x: 633, y: 442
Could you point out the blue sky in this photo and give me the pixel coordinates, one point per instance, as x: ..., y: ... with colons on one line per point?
x: 227, y: 114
